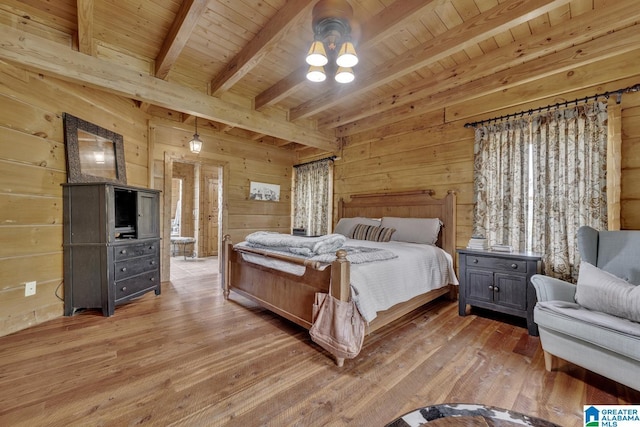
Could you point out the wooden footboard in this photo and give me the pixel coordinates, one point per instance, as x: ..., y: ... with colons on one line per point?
x: 286, y: 294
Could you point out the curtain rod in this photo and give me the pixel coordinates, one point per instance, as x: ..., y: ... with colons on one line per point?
x: 315, y: 161
x: 618, y: 93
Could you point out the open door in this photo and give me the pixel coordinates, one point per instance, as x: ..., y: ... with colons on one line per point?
x: 211, y: 211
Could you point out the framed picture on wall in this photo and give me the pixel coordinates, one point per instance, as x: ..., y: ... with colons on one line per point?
x: 263, y: 191
x: 94, y: 154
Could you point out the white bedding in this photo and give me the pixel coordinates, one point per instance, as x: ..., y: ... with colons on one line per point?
x: 377, y: 286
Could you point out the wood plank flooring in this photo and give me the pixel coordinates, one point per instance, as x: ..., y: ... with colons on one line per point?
x: 189, y: 358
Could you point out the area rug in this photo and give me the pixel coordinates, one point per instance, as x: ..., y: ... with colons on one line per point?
x: 471, y: 415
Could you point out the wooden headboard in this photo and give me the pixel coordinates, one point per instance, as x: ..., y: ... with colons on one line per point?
x: 409, y: 204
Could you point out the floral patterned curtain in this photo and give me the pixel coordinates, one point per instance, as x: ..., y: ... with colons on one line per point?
x: 312, y: 196
x: 538, y: 179
x: 570, y: 165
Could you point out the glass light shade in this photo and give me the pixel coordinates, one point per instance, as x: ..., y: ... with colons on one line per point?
x: 347, y: 56
x: 195, y: 144
x: 344, y: 75
x: 316, y: 74
x: 317, y: 56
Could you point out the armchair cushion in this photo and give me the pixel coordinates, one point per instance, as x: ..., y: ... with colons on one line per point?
x: 601, y: 291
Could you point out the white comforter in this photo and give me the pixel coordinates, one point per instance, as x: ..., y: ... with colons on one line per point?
x: 377, y: 286
x: 418, y: 269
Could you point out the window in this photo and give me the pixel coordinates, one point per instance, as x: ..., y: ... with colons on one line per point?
x: 538, y: 179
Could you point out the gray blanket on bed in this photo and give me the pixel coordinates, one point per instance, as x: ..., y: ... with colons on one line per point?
x: 320, y: 248
x: 299, y: 245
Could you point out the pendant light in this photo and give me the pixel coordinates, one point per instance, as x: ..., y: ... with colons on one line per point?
x: 332, y: 43
x: 195, y: 144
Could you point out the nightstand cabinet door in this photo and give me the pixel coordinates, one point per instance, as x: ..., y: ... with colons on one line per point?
x: 499, y: 282
x: 480, y: 285
x: 510, y: 291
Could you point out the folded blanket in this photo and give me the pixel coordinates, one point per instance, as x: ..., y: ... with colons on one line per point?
x: 355, y: 254
x: 300, y: 245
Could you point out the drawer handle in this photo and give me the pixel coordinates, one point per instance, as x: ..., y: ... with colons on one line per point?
x: 124, y: 288
x: 124, y: 251
x: 153, y: 263
x: 153, y: 279
x: 514, y: 265
x: 496, y: 289
x: 490, y: 287
x: 151, y: 248
x: 475, y: 260
x: 124, y: 268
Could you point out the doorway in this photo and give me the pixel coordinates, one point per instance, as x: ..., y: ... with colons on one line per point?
x: 193, y: 212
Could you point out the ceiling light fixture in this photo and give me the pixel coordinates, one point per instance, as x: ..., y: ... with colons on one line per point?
x: 195, y: 145
x: 332, y: 29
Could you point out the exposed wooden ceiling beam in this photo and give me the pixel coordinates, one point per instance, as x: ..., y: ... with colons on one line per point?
x: 377, y: 28
x: 186, y: 20
x: 53, y: 59
x: 290, y: 16
x: 574, y: 32
x: 625, y: 40
x: 594, y: 51
x: 85, y: 26
x: 491, y: 23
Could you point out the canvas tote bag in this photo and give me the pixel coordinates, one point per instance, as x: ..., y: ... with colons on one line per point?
x: 338, y: 326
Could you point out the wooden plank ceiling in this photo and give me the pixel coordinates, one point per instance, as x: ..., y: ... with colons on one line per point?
x: 245, y: 58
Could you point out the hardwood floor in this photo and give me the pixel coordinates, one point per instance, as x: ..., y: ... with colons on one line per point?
x: 188, y: 358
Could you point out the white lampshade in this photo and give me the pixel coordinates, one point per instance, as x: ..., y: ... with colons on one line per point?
x: 347, y: 56
x: 317, y: 56
x: 316, y: 74
x: 195, y: 145
x: 344, y: 75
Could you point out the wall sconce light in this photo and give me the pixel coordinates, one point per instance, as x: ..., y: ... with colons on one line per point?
x: 195, y: 145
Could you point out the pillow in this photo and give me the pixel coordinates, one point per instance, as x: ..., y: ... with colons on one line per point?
x: 346, y: 225
x: 413, y: 230
x: 372, y: 233
x: 599, y: 290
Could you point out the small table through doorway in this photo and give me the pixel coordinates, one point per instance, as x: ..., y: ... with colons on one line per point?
x: 177, y: 242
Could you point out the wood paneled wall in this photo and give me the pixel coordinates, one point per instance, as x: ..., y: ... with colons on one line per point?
x: 32, y: 169
x: 244, y: 161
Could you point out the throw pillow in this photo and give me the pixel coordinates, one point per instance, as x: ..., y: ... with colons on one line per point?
x: 372, y: 233
x: 414, y: 230
x: 602, y: 291
x: 345, y: 226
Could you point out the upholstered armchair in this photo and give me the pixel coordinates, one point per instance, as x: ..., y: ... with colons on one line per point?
x: 596, y: 323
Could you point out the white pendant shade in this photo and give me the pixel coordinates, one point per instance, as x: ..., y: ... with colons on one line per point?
x: 316, y: 74
x: 317, y: 56
x: 345, y: 75
x: 347, y: 56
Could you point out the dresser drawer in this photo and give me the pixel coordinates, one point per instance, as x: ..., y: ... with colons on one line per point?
x: 136, y: 250
x: 135, y: 266
x: 497, y: 264
x: 137, y: 284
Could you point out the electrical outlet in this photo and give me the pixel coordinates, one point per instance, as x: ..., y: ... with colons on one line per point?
x: 29, y: 289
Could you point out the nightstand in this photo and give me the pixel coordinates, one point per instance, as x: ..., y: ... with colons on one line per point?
x: 499, y: 281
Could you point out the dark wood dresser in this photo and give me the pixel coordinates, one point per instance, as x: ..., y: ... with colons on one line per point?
x: 499, y: 281
x: 111, y: 245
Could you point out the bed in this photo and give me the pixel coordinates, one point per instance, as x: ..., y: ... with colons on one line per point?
x: 292, y: 295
